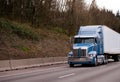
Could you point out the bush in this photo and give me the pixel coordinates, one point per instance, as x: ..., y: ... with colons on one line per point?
x: 20, y: 30
x: 22, y: 47
x: 60, y: 30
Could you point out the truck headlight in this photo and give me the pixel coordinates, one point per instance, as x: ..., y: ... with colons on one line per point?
x: 70, y: 54
x: 92, y: 55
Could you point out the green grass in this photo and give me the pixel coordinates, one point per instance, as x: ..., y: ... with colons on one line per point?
x: 60, y: 30
x: 22, y: 31
x: 22, y: 47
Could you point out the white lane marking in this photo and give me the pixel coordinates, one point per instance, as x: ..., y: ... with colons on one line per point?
x: 29, y: 72
x: 66, y: 75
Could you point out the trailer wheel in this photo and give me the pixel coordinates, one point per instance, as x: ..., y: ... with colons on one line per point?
x: 116, y: 58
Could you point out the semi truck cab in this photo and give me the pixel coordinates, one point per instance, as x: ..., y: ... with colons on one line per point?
x: 88, y: 47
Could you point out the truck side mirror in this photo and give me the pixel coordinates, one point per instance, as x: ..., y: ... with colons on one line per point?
x: 70, y: 42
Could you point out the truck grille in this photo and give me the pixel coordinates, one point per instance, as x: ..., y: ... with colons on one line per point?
x: 79, y: 52
x: 75, y: 52
x: 83, y: 52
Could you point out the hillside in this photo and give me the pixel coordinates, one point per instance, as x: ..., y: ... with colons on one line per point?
x: 23, y: 41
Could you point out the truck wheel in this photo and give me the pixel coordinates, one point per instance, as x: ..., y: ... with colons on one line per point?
x: 116, y: 58
x: 105, y: 60
x: 96, y: 62
x: 71, y: 65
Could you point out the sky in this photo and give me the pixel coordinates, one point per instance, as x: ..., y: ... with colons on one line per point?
x: 113, y: 5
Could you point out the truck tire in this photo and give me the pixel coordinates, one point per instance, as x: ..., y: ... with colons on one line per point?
x: 96, y: 62
x: 105, y: 59
x: 71, y: 65
x: 116, y: 58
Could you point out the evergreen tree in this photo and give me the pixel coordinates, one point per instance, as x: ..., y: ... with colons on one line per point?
x: 118, y: 14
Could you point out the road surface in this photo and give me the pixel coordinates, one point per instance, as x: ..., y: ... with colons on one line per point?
x: 63, y: 73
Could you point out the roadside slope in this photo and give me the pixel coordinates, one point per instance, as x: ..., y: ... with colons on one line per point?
x: 19, y: 41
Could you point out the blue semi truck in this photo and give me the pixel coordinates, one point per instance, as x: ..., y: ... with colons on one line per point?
x: 94, y: 45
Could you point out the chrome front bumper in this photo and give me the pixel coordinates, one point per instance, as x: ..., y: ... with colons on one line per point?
x: 75, y: 59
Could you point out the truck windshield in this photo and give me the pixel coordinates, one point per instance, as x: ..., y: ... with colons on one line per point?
x: 84, y: 40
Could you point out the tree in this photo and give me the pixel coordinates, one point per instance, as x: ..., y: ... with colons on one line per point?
x: 68, y: 15
x: 118, y: 14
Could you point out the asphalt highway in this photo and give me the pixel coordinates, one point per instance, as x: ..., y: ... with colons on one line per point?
x: 63, y: 73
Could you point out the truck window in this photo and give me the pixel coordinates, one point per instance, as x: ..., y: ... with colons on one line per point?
x: 84, y: 40
x: 78, y: 40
